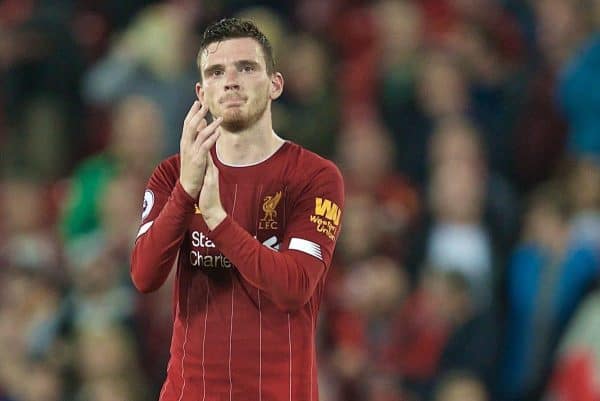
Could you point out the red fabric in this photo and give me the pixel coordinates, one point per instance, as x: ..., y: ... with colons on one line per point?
x: 438, y: 18
x: 345, y: 328
x: 244, y: 314
x: 354, y: 32
x: 541, y: 132
x: 575, y: 378
x: 420, y: 338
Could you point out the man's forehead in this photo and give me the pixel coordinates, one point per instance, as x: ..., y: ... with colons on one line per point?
x: 231, y: 50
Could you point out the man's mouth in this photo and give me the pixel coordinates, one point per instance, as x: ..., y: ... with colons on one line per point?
x: 233, y: 101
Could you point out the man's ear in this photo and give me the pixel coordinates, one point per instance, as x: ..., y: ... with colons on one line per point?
x: 276, y: 85
x: 200, y: 92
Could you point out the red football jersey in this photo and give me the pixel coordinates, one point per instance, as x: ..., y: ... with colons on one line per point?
x: 247, y: 293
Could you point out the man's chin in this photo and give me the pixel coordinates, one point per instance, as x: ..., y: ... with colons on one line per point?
x: 235, y: 120
x: 234, y: 123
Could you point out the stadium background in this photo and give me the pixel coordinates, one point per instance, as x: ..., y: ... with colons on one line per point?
x: 468, y: 132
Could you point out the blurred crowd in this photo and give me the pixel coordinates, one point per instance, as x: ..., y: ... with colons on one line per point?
x: 468, y: 133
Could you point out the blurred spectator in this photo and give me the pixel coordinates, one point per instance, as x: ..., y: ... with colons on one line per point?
x: 40, y: 67
x: 576, y: 370
x: 44, y: 382
x: 390, y: 201
x: 541, y: 132
x: 457, y: 141
x: 307, y: 111
x: 420, y: 333
x: 581, y: 105
x: 472, y: 344
x: 135, y: 144
x: 458, y: 239
x: 101, y: 296
x: 547, y: 277
x: 352, y: 29
x: 400, y: 34
x: 104, y: 356
x: 29, y: 239
x: 490, y: 46
x: 373, y: 290
x: 153, y: 322
x: 583, y: 188
x: 161, y: 70
x: 107, y: 389
x: 455, y: 236
x: 273, y: 26
x: 31, y: 333
x: 440, y: 91
x: 461, y: 386
x: 361, y: 237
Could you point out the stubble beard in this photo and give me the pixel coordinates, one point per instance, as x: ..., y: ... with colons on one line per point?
x: 237, y: 121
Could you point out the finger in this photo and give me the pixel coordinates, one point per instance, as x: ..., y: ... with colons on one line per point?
x: 197, y: 118
x: 193, y: 122
x: 208, y: 130
x: 203, y: 148
x: 187, y: 133
x: 210, y: 141
x: 197, y: 122
x: 195, y: 107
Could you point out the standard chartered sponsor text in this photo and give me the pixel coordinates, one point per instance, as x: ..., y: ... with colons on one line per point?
x: 199, y: 258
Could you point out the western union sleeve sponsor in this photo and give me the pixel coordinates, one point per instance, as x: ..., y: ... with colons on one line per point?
x: 328, y: 209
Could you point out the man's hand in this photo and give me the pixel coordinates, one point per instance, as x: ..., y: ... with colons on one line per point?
x: 210, y: 200
x: 196, y: 140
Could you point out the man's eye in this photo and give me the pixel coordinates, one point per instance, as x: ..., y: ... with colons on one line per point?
x: 217, y: 73
x: 248, y: 68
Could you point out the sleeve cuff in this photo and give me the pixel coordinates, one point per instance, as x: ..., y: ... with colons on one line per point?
x: 222, y: 230
x: 182, y: 198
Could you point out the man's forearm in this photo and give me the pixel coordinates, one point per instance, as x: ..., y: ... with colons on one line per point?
x: 290, y: 278
x: 159, y: 240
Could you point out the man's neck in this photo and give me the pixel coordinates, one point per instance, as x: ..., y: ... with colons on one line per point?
x: 250, y: 146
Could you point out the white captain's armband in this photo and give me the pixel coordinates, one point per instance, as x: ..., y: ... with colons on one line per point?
x: 309, y: 247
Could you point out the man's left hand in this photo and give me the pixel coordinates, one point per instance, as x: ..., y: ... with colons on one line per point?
x: 210, y: 200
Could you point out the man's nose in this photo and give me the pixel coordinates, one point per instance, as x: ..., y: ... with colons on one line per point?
x: 231, y: 80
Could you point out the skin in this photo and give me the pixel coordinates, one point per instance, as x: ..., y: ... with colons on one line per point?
x: 238, y: 91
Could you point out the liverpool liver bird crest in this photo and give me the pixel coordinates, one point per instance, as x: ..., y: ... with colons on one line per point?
x: 269, y: 205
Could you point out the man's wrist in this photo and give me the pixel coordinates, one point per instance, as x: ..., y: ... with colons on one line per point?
x: 190, y: 190
x: 213, y: 218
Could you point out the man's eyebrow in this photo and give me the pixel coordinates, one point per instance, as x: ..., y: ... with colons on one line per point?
x: 212, y: 68
x: 247, y: 62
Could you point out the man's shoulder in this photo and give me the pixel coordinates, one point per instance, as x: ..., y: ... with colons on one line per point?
x: 169, y: 165
x: 166, y: 173
x: 311, y: 175
x: 308, y: 164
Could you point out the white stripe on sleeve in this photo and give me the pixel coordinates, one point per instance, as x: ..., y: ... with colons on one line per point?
x: 144, y: 228
x: 309, y: 247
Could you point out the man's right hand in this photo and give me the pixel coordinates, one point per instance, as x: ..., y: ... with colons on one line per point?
x: 196, y: 140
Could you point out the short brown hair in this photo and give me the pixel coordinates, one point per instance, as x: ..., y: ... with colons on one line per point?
x: 232, y: 28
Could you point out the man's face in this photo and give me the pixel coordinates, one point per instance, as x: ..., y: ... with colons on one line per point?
x: 235, y: 83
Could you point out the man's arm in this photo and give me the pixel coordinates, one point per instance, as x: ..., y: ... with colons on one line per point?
x: 290, y: 276
x: 169, y: 208
x: 160, y: 236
